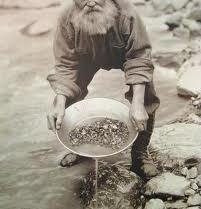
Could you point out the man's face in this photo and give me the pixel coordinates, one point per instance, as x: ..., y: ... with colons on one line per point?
x: 90, y: 5
x: 94, y: 16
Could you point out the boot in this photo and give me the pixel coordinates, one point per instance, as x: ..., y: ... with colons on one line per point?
x: 142, y: 163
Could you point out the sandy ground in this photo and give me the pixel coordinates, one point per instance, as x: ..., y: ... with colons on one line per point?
x: 30, y: 177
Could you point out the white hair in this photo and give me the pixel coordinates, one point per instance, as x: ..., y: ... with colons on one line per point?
x: 98, y: 21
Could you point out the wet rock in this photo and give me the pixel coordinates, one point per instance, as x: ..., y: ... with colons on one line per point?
x: 117, y: 188
x: 189, y: 83
x: 178, y: 140
x: 179, y: 4
x: 38, y: 28
x: 179, y: 204
x: 182, y: 32
x: 193, y: 26
x: 192, y: 173
x: 194, y: 200
x: 161, y: 5
x: 194, y: 186
x: 155, y: 204
x: 191, y: 162
x: 195, y: 14
x: 69, y: 160
x: 189, y: 192
x: 139, y: 2
x: 174, y: 20
x: 192, y: 62
x: 167, y: 184
x: 193, y: 118
x: 199, y: 180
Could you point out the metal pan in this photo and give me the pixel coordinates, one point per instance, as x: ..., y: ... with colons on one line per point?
x: 90, y: 110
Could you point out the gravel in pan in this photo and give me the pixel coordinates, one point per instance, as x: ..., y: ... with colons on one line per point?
x: 105, y: 132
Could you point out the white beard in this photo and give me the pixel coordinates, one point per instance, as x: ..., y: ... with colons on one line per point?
x: 95, y: 22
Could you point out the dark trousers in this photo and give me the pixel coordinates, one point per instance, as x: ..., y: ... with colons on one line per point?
x: 141, y: 143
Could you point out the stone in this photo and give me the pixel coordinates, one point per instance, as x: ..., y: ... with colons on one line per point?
x: 193, y: 118
x: 192, y: 25
x: 192, y: 62
x: 189, y: 83
x: 190, y: 6
x: 167, y: 184
x: 179, y: 204
x: 179, y: 4
x: 194, y: 200
x: 194, y: 186
x: 117, y: 188
x: 189, y: 192
x: 161, y: 5
x: 38, y: 28
x: 174, y: 20
x: 184, y: 171
x: 69, y: 160
x: 197, y: 3
x: 155, y: 204
x: 139, y: 2
x: 195, y: 14
x: 191, y: 162
x: 177, y: 141
x: 192, y: 173
x: 182, y: 32
x: 199, y: 180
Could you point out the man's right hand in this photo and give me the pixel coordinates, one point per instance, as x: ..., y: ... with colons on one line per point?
x: 57, y: 111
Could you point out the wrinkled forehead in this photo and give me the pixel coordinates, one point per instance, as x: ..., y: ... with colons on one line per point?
x: 83, y: 3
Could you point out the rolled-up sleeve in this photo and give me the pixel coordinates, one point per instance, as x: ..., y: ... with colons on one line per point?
x: 138, y: 66
x: 63, y: 79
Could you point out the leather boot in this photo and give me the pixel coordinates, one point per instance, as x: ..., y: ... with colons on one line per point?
x: 142, y: 163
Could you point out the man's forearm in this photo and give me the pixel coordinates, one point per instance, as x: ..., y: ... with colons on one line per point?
x: 138, y: 93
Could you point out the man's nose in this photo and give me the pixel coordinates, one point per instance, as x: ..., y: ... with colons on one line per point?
x: 91, y: 4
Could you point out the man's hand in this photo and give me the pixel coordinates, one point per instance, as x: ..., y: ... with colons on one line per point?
x: 139, y: 116
x: 196, y: 101
x: 57, y: 111
x: 138, y: 113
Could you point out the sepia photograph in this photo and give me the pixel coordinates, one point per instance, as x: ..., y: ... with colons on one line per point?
x: 100, y: 104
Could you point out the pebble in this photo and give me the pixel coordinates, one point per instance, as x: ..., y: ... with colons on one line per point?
x: 155, y: 204
x: 189, y: 192
x: 192, y: 173
x: 194, y: 186
x: 199, y: 181
x: 184, y: 171
x: 194, y: 200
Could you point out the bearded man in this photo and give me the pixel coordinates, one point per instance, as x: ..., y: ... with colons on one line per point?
x: 94, y: 34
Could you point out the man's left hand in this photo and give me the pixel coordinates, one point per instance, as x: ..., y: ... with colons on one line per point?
x: 139, y: 116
